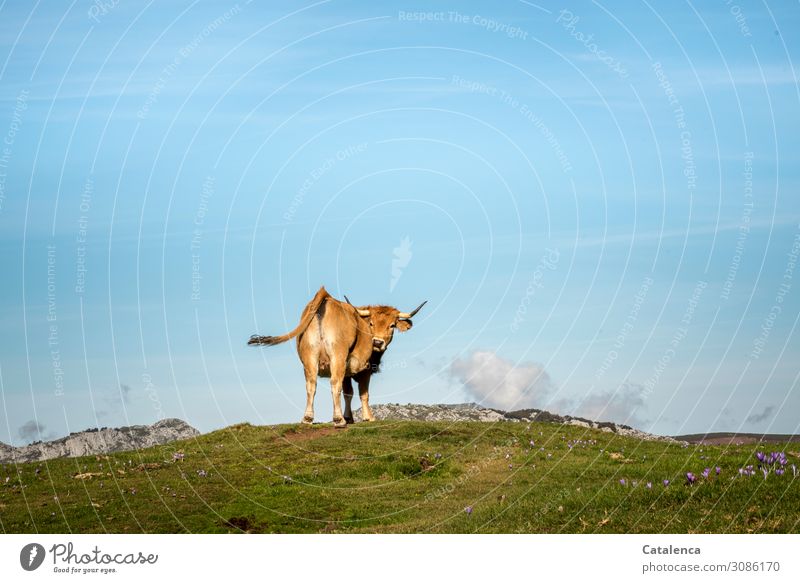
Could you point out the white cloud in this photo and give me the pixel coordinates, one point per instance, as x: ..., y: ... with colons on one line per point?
x: 622, y: 405
x: 496, y: 382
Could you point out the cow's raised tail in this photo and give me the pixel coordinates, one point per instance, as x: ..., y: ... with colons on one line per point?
x: 309, y: 312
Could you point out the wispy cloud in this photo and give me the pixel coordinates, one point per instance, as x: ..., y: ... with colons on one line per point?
x: 109, y: 404
x: 622, y: 405
x: 497, y: 382
x: 494, y: 381
x: 743, y: 76
x: 32, y: 431
x: 765, y: 414
x: 679, y: 233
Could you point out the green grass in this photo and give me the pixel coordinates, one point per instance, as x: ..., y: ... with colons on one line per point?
x: 402, y: 477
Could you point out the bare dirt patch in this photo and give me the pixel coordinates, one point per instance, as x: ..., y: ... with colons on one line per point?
x: 246, y: 524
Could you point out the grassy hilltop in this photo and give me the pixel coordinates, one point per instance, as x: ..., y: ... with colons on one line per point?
x: 406, y: 476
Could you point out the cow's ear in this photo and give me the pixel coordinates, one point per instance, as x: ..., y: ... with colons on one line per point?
x: 403, y: 325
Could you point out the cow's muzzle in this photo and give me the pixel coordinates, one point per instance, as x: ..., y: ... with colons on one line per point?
x: 379, y: 344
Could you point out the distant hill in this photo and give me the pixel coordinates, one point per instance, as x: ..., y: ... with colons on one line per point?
x: 738, y: 438
x: 475, y: 412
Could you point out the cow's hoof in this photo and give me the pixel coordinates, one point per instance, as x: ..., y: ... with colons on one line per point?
x: 349, y: 420
x: 370, y: 419
x: 339, y: 422
x: 307, y: 420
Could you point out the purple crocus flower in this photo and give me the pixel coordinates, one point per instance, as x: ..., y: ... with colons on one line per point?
x: 760, y: 456
x: 468, y: 510
x: 690, y: 478
x: 718, y: 470
x: 779, y: 471
x: 623, y: 482
x: 666, y: 483
x: 649, y: 485
x: 765, y: 472
x: 706, y: 472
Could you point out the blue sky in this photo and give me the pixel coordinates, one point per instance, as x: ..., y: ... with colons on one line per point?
x: 598, y: 200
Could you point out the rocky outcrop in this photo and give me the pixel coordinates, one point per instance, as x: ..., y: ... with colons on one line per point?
x: 474, y: 412
x: 5, y: 451
x: 100, y: 441
x: 618, y: 428
x: 459, y: 412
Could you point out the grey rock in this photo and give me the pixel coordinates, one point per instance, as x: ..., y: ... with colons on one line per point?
x: 458, y: 412
x: 101, y: 441
x: 475, y: 412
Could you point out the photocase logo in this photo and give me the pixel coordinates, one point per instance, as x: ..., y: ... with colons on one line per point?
x: 31, y: 556
x: 401, y: 256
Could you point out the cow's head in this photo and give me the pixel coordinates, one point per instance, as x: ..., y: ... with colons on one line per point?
x: 383, y: 321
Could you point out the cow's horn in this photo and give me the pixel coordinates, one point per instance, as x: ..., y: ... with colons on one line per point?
x: 407, y: 316
x: 360, y: 312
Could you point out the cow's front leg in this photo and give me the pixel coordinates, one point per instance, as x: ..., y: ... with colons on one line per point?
x: 337, y: 378
x: 363, y: 393
x: 347, y: 391
x: 311, y: 370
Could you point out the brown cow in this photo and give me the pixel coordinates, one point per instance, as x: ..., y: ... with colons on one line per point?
x: 342, y: 342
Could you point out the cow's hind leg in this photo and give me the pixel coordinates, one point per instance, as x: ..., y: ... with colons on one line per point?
x: 311, y: 370
x: 363, y: 393
x: 337, y: 378
x: 347, y: 391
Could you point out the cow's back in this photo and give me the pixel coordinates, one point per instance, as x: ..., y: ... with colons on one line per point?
x: 330, y: 336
